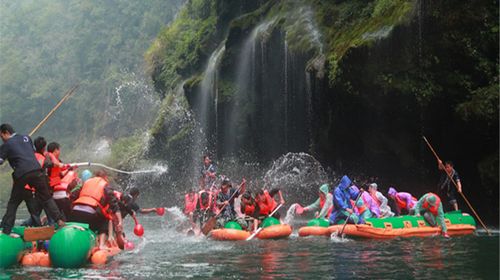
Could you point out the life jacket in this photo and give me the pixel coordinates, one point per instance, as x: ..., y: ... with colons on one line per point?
x: 267, y: 205
x: 249, y: 209
x: 375, y: 198
x: 402, y: 204
x: 55, y: 171
x: 41, y: 160
x: 190, y: 204
x: 65, y: 181
x: 322, y: 203
x: 209, y: 203
x: 361, y: 209
x: 432, y: 209
x: 92, y: 194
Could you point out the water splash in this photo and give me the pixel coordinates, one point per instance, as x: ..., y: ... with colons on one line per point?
x: 334, y: 237
x: 290, y: 214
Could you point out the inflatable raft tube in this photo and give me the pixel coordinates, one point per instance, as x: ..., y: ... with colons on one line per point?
x: 71, y: 246
x: 232, y: 231
x: 457, y: 223
x: 275, y: 232
x: 315, y: 227
x: 11, y: 250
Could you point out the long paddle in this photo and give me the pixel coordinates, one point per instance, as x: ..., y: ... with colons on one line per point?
x: 259, y: 229
x: 454, y: 183
x: 65, y: 97
x: 348, y: 217
x: 210, y: 224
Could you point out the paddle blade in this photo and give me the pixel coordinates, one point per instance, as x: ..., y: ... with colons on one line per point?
x: 138, y: 230
x: 38, y: 233
x: 160, y: 211
x: 209, y: 225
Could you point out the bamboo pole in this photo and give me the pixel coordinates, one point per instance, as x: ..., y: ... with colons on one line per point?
x: 44, y: 120
x: 454, y: 183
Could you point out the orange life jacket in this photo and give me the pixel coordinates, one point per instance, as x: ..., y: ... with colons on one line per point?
x: 65, y: 181
x: 208, y: 205
x: 402, y: 204
x: 41, y: 160
x: 92, y: 194
x: 54, y: 171
x: 267, y: 205
x: 374, y: 197
x: 361, y: 209
x: 432, y: 209
x: 190, y: 203
x: 322, y: 203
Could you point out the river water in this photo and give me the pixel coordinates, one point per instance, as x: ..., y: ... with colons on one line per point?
x: 164, y: 253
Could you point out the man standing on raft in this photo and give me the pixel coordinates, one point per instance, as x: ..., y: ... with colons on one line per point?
x: 446, y: 187
x: 19, y: 151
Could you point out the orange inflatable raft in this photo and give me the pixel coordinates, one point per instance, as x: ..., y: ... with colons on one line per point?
x: 275, y: 232
x: 314, y: 231
x: 229, y: 234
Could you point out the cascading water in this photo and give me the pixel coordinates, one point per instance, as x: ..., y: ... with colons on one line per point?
x: 206, y: 105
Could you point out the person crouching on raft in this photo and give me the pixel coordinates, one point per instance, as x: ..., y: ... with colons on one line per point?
x: 381, y: 200
x: 342, y: 208
x: 91, y: 207
x: 225, y: 199
x: 432, y: 208
x: 324, y: 204
x: 403, y: 201
x: 267, y: 204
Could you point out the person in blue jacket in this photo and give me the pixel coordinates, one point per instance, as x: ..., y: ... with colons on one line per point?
x: 342, y: 208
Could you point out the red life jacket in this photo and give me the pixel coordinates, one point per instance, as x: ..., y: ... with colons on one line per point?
x: 65, y: 181
x: 190, y: 203
x: 249, y: 209
x: 267, y: 205
x: 361, y: 209
x: 54, y: 171
x: 92, y: 194
x: 322, y: 203
x: 432, y: 209
x: 208, y: 205
x: 402, y: 204
x: 41, y: 160
x: 374, y: 197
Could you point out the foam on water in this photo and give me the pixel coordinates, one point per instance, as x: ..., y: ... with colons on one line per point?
x: 290, y: 214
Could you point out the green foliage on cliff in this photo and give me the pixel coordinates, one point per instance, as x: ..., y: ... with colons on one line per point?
x: 178, y: 48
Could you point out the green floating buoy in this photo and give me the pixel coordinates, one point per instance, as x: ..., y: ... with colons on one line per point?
x: 318, y: 223
x: 70, y: 246
x: 270, y: 221
x: 232, y: 225
x: 11, y: 248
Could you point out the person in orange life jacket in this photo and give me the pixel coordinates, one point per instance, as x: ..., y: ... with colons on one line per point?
x: 128, y: 204
x: 204, y: 208
x: 446, y: 187
x: 249, y: 211
x: 208, y: 173
x: 265, y: 201
x: 96, y: 205
x: 323, y: 205
x: 57, y: 172
x: 403, y: 201
x: 19, y: 151
x: 225, y: 199
x: 34, y: 219
x: 430, y: 204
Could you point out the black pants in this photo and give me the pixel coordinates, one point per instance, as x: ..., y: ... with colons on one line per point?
x: 95, y: 221
x: 37, y: 180
x: 64, y: 205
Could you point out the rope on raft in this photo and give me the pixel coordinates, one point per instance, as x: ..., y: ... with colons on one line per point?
x: 113, y: 169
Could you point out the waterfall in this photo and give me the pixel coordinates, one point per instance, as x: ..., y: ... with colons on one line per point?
x: 286, y: 90
x: 245, y: 87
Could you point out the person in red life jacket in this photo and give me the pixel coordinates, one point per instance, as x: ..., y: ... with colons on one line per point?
x: 190, y: 201
x: 265, y: 201
x: 204, y: 209
x: 403, y: 201
x: 34, y: 219
x: 323, y: 206
x: 432, y: 208
x: 56, y: 173
x: 249, y: 212
x: 19, y: 151
x: 96, y: 205
x: 445, y: 186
